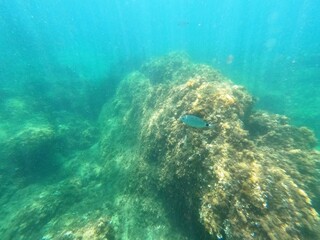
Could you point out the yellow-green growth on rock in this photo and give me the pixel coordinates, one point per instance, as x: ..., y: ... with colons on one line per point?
x: 252, y: 176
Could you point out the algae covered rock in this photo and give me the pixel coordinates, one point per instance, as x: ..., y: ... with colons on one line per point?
x: 38, y: 210
x: 30, y: 148
x: 251, y: 176
x: 74, y: 133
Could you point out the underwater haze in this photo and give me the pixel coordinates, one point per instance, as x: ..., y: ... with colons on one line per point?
x: 92, y: 94
x: 271, y: 47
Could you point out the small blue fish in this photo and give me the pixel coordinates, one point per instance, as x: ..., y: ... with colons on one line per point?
x: 194, y: 121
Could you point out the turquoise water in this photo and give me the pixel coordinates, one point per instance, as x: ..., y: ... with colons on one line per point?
x: 270, y: 47
x: 73, y: 131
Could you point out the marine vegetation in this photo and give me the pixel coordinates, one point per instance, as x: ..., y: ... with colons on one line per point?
x: 251, y: 176
x: 179, y: 152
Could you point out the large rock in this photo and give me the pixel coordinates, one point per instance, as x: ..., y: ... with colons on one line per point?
x: 251, y: 176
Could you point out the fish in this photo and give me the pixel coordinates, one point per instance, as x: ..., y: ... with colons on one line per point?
x: 194, y: 121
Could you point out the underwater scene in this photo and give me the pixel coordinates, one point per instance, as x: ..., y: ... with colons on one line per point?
x: 159, y: 120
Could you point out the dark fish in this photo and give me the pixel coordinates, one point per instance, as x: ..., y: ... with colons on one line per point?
x: 194, y: 121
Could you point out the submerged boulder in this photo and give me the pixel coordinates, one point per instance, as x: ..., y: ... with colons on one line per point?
x: 30, y: 149
x: 250, y: 176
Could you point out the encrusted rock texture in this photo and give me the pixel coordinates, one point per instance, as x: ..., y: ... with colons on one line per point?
x: 250, y: 176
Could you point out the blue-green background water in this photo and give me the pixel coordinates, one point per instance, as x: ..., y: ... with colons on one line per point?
x: 271, y: 47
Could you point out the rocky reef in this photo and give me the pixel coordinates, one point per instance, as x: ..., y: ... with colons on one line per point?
x: 141, y: 173
x: 251, y: 176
